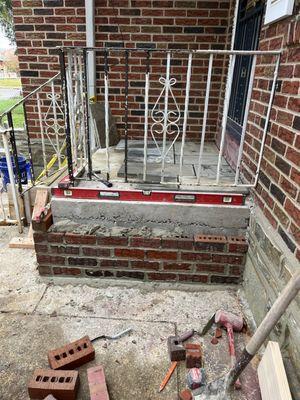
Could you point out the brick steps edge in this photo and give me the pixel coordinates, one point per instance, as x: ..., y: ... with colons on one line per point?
x: 202, y: 259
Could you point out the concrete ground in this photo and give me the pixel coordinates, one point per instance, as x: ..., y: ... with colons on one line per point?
x: 36, y: 316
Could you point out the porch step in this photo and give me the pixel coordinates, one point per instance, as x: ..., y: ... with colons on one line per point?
x: 191, y: 219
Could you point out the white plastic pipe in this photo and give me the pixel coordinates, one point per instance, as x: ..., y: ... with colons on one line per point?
x: 12, y: 179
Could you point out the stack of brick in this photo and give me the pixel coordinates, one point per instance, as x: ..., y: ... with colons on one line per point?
x: 202, y: 259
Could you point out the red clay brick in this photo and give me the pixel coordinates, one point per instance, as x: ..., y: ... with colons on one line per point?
x: 62, y: 384
x: 66, y: 271
x: 72, y: 355
x: 195, y: 256
x: 74, y: 238
x: 237, y: 244
x: 144, y: 265
x: 95, y: 251
x: 48, y: 259
x: 97, y: 384
x: 130, y: 274
x: 227, y: 259
x: 161, y: 255
x: 64, y: 249
x: 44, y: 270
x: 156, y: 276
x: 55, y: 237
x: 145, y: 242
x: 210, y: 268
x: 193, y: 278
x: 177, y: 266
x: 89, y: 262
x: 130, y: 253
x: 184, y: 244
x: 112, y: 241
x: 109, y: 263
x: 39, y: 237
x: 224, y: 279
x: 210, y: 243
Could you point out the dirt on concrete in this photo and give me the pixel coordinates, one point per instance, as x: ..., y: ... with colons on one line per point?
x: 36, y: 316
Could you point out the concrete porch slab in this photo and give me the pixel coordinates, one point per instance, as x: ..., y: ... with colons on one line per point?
x: 190, y: 218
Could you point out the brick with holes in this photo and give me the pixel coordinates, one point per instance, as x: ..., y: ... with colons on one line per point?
x: 193, y: 355
x: 72, y: 355
x: 61, y: 384
x: 97, y: 384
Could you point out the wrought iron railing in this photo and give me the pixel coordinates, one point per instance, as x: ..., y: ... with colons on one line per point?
x: 163, y: 119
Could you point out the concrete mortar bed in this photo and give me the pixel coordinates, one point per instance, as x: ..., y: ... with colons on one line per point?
x: 36, y: 316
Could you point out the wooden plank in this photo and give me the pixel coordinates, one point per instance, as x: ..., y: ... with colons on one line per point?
x: 271, y: 375
x: 21, y: 243
x: 41, y: 200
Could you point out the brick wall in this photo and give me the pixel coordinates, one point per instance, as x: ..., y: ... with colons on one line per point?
x: 202, y: 259
x: 43, y: 24
x: 277, y: 192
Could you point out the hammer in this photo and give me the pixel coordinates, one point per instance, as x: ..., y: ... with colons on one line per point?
x: 232, y: 323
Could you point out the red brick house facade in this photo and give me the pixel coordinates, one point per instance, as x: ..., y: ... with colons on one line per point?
x: 41, y: 25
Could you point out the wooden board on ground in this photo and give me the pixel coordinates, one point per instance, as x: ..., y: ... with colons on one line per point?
x: 271, y: 375
x: 41, y: 199
x: 21, y: 243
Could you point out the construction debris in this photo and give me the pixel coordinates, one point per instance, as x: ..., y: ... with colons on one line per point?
x: 114, y: 337
x: 62, y: 384
x: 72, y: 355
x: 168, y: 376
x: 50, y: 397
x: 186, y: 394
x: 97, y: 383
x: 196, y: 378
x: 193, y: 355
x: 176, y: 349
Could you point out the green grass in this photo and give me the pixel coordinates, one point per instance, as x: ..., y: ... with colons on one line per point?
x: 17, y: 114
x: 10, y: 83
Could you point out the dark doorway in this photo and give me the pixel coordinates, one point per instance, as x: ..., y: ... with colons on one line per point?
x: 247, y: 37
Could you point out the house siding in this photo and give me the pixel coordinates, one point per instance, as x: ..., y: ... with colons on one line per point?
x: 278, y: 189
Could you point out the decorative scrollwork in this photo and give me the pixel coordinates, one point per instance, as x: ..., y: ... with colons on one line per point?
x: 165, y: 121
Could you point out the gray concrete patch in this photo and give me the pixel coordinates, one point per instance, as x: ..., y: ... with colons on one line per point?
x: 140, y: 303
x: 191, y: 218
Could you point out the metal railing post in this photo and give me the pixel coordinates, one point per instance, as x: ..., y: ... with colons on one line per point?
x: 166, y: 115
x: 207, y: 93
x: 147, y: 77
x: 186, y: 110
x: 225, y: 113
x: 245, y: 120
x: 29, y: 143
x: 272, y: 94
x: 106, y: 109
x: 67, y: 115
x: 126, y: 116
x: 87, y: 111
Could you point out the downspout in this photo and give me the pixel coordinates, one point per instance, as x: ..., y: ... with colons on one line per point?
x: 91, y: 58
